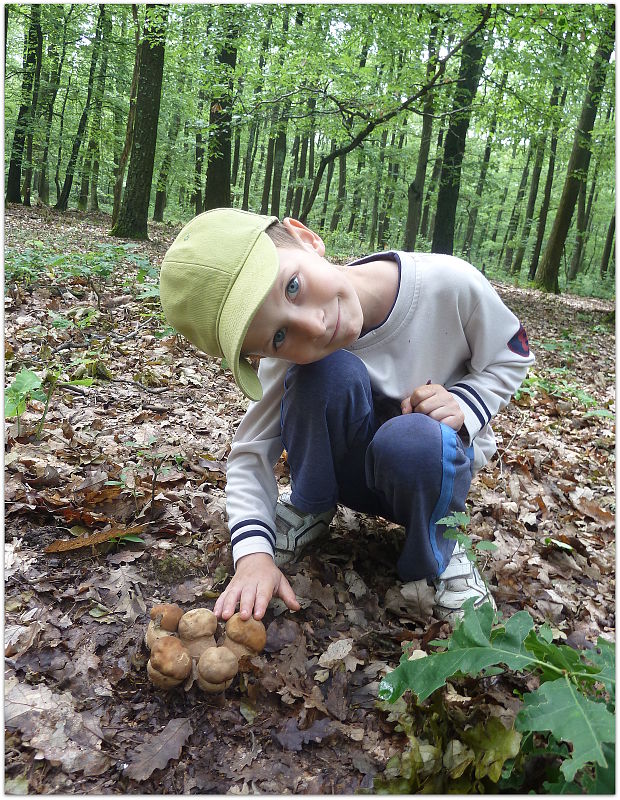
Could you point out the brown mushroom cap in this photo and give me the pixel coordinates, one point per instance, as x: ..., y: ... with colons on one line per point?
x: 196, y: 629
x: 170, y: 614
x: 169, y: 659
x: 216, y: 669
x: 197, y: 623
x: 245, y: 637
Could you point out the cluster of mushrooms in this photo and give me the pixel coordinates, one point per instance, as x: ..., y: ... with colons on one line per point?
x: 182, y: 643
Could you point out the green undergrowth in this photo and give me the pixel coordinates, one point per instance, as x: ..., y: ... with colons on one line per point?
x: 563, y: 735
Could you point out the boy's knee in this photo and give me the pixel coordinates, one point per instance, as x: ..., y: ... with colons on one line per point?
x: 407, y: 448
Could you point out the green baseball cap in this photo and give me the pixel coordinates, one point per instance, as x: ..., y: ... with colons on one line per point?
x: 214, y: 278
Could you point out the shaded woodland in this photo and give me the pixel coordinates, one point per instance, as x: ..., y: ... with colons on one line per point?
x: 483, y: 131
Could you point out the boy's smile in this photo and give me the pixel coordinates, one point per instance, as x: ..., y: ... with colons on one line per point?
x: 312, y: 309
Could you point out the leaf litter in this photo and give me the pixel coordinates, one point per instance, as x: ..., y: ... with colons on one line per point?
x: 143, y: 451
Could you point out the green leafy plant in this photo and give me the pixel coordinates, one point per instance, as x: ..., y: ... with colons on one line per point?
x: 457, y: 529
x: 569, y: 719
x: 558, y: 387
x: 28, y: 386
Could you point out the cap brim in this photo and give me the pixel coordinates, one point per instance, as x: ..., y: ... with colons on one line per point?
x: 246, y: 296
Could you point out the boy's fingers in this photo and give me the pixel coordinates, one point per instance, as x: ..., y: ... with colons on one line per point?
x: 286, y: 593
x: 405, y: 406
x: 246, y: 604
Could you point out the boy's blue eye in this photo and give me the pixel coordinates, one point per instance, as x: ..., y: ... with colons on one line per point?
x: 279, y: 338
x: 292, y: 287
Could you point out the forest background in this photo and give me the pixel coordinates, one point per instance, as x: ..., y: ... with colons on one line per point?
x: 483, y: 131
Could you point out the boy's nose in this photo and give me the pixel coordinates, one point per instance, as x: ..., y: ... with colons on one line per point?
x: 313, y: 323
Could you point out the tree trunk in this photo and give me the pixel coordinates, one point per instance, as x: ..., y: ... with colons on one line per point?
x: 554, y: 102
x: 252, y: 140
x: 529, y: 210
x: 279, y: 156
x: 342, y: 192
x: 90, y: 169
x: 515, y: 217
x: 131, y: 119
x: 14, y: 178
x: 63, y: 200
x: 217, y: 187
x: 357, y: 194
x: 484, y: 167
x: 608, y: 246
x: 580, y: 233
x: 415, y: 192
x: 390, y: 191
x: 374, y: 218
x: 133, y: 217
x: 454, y: 149
x: 292, y: 176
x: 502, y: 204
x: 32, y: 116
x: 548, y: 269
x: 328, y: 183
x: 424, y: 224
x: 264, y: 206
x: 164, y: 170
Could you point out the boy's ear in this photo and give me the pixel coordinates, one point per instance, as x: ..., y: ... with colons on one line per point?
x: 306, y: 237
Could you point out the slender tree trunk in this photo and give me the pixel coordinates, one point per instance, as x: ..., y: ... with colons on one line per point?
x: 90, y: 169
x: 554, y: 102
x: 374, y: 218
x: 529, y: 210
x: 264, y: 206
x: 252, y: 139
x: 357, y: 194
x: 63, y: 200
x: 164, y: 170
x: 393, y: 172
x: 279, y: 157
x: 424, y: 224
x: 581, y: 225
x: 307, y: 156
x: 131, y: 119
x: 484, y: 167
x: 133, y: 217
x: 515, y: 217
x: 342, y: 192
x: 292, y: 176
x: 31, y: 38
x: 454, y: 150
x: 611, y: 231
x: 217, y: 188
x: 32, y: 116
x: 328, y: 183
x: 548, y: 269
x: 415, y: 192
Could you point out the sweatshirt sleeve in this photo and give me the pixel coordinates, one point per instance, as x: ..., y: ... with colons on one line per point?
x: 500, y: 356
x: 251, y: 489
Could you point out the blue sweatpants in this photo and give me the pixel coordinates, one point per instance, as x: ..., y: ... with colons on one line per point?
x: 410, y: 469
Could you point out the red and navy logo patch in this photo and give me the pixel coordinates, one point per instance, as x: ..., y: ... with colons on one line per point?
x: 519, y: 344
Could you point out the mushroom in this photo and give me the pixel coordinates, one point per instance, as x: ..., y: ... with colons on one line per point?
x: 169, y: 664
x: 217, y: 666
x: 164, y: 620
x: 244, y: 637
x: 196, y: 630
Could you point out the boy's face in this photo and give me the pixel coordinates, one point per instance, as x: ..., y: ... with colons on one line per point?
x: 312, y: 309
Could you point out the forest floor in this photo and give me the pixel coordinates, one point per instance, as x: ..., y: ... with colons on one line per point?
x: 144, y: 447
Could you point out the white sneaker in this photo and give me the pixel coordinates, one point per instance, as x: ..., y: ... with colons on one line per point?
x: 295, y: 530
x: 460, y: 581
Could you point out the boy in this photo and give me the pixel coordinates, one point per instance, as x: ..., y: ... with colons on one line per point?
x: 379, y: 378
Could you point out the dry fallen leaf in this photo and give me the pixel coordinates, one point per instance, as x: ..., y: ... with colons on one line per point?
x: 158, y: 750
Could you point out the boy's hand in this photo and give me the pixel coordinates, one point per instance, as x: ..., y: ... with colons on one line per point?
x: 435, y: 401
x: 255, y: 582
